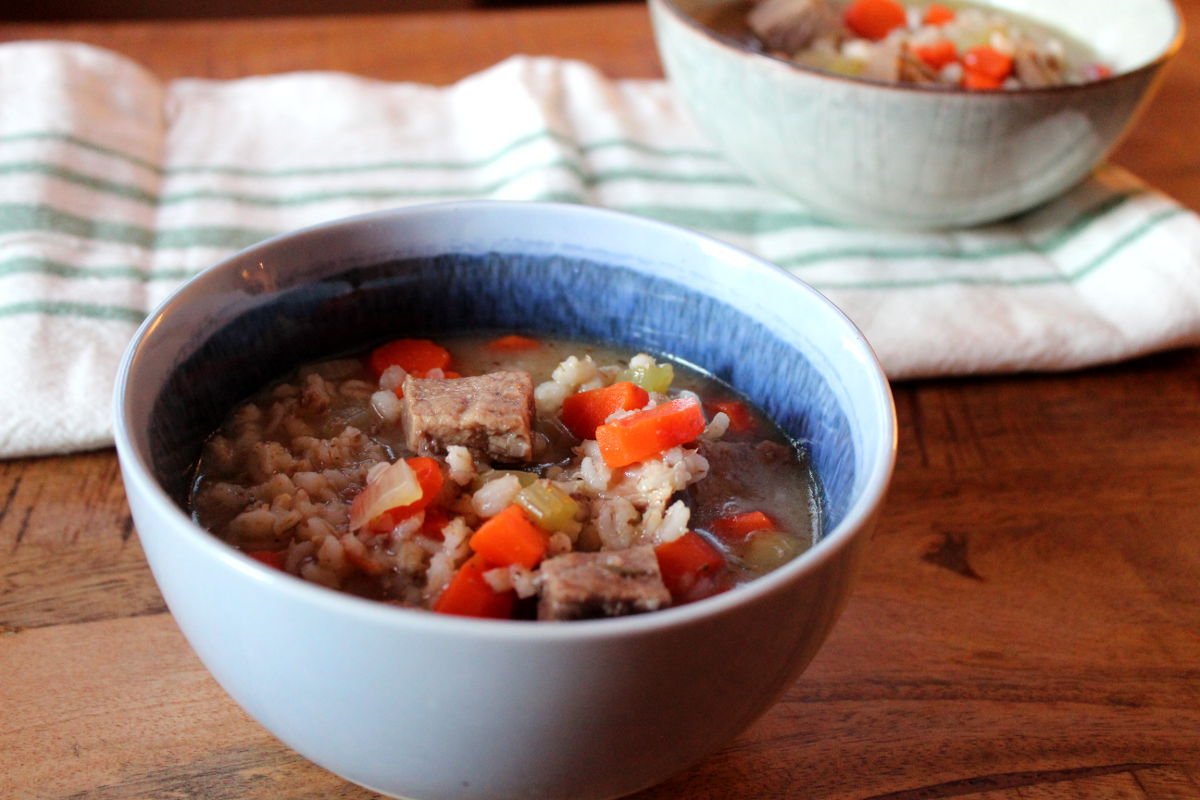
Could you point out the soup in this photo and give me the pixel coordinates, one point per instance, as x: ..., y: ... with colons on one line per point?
x: 939, y: 45
x: 508, y: 476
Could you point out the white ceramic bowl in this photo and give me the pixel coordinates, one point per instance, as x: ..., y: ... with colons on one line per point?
x: 909, y: 157
x: 421, y: 705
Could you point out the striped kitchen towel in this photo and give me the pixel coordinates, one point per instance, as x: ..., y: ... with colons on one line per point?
x: 116, y: 186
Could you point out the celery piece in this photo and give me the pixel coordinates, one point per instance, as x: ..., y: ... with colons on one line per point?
x: 547, y: 505
x: 768, y: 550
x: 653, y: 379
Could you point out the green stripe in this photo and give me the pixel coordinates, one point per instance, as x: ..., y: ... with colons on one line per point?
x: 59, y: 269
x: 149, y: 198
x: 69, y: 175
x: 1074, y: 276
x: 21, y: 218
x: 1051, y: 243
x: 62, y: 270
x: 378, y: 166
x: 56, y: 308
x: 726, y: 220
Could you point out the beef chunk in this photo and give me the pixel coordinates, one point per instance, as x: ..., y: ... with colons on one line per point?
x: 610, y: 583
x: 489, y: 413
x: 739, y: 473
x: 790, y: 25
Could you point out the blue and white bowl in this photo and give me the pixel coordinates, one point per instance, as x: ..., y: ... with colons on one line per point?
x: 420, y: 705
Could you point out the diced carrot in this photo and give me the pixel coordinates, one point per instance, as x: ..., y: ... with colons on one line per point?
x: 875, y: 19
x: 690, y: 566
x: 583, y: 412
x: 938, y: 54
x: 936, y: 14
x: 272, y: 558
x: 509, y: 538
x: 470, y: 595
x: 739, y: 526
x: 411, y: 355
x: 513, y: 343
x: 1096, y: 72
x: 978, y: 80
x: 740, y: 418
x: 988, y: 61
x: 647, y: 433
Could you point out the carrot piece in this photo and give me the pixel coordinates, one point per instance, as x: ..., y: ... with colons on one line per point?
x: 739, y: 526
x: 977, y: 80
x: 875, y: 19
x: 411, y: 355
x: 937, y: 14
x: 740, y: 418
x: 513, y: 343
x: 510, y: 538
x: 690, y: 566
x: 937, y: 54
x: 647, y: 433
x: 988, y: 61
x: 583, y: 412
x: 272, y: 558
x: 470, y: 595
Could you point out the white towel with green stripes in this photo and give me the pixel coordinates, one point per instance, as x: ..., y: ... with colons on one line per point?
x: 115, y: 186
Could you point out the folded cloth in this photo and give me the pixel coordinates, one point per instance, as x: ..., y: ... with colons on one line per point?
x: 116, y: 186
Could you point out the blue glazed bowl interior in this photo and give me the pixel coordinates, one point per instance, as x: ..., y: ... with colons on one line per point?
x: 564, y: 296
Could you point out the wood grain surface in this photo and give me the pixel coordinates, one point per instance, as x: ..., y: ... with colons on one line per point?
x: 1027, y: 625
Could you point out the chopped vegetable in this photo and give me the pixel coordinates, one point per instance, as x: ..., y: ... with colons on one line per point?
x: 936, y: 14
x: 875, y: 19
x: 583, y: 412
x: 396, y: 486
x: 513, y: 344
x: 938, y: 54
x: 739, y: 526
x: 510, y: 538
x: 989, y: 61
x: 647, y: 433
x: 272, y: 558
x: 385, y: 508
x: 470, y: 595
x: 652, y: 378
x: 767, y: 550
x: 415, y: 356
x: 549, y: 506
x: 740, y: 418
x: 689, y: 566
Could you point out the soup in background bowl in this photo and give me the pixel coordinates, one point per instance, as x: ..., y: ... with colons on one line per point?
x: 390, y: 697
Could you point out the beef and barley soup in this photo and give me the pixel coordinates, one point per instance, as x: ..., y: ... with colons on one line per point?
x: 508, y: 476
x: 948, y: 44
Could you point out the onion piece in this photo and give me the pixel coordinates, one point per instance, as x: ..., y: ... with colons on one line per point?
x: 394, y: 487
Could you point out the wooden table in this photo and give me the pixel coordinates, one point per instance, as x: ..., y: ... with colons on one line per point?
x: 1028, y: 624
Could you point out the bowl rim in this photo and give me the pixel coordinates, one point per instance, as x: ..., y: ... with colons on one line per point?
x: 1172, y: 48
x: 139, y: 477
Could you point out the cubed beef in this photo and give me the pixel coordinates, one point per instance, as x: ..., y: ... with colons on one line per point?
x: 489, y: 413
x: 790, y: 25
x: 738, y: 473
x: 610, y: 583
